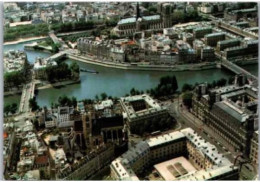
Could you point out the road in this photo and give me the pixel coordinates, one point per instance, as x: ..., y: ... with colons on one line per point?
x: 189, y: 120
x: 28, y: 93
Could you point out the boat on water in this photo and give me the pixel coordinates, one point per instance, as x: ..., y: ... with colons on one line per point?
x: 89, y: 71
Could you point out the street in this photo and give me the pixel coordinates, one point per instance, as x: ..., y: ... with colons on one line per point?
x: 189, y: 120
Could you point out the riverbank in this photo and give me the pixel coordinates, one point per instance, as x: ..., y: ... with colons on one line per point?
x: 36, y: 47
x: 21, y: 40
x: 10, y: 93
x: 54, y: 85
x: 143, y: 67
x: 41, y: 86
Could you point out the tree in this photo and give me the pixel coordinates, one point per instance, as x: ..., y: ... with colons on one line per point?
x: 36, y: 124
x: 13, y: 108
x: 152, y: 9
x: 74, y: 101
x: 96, y: 97
x: 133, y: 91
x: 74, y: 67
x: 174, y: 83
x: 187, y: 99
x: 66, y: 101
x: 178, y: 16
x: 103, y: 96
x: 145, y: 4
x: 14, y: 78
x: 187, y: 87
x: 7, y: 109
x: 33, y: 104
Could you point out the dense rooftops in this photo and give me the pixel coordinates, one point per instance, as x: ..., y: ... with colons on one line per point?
x: 129, y: 108
x: 133, y: 19
x: 122, y: 165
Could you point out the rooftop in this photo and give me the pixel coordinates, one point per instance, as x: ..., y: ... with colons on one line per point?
x: 149, y: 105
x: 133, y: 19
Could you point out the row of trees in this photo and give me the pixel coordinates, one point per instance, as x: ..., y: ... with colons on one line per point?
x: 62, y: 71
x: 183, y: 17
x: 14, y: 78
x: 187, y: 89
x: 168, y: 85
x: 72, y: 26
x: 13, y: 33
x: 10, y: 108
x: 66, y: 101
x: 33, y: 104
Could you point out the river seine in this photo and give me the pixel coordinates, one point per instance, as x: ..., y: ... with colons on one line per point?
x: 115, y: 82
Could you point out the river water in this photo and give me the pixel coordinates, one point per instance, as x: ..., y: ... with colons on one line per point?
x: 115, y: 82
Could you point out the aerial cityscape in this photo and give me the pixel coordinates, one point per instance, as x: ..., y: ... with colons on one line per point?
x: 152, y: 91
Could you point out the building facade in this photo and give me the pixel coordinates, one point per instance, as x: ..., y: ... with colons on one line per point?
x: 141, y: 108
x: 129, y: 26
x: 230, y: 111
x: 210, y: 163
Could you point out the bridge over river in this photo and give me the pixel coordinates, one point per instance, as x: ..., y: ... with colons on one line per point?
x: 27, y: 94
x: 237, y: 69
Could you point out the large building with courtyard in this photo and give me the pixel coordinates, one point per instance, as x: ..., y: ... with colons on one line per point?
x: 142, y: 108
x: 179, y: 155
x: 231, y: 111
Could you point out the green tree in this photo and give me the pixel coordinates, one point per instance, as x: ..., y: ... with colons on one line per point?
x: 65, y: 101
x: 187, y: 99
x: 33, y: 104
x: 13, y: 108
x: 152, y: 9
x: 103, y: 96
x: 87, y: 101
x: 178, y: 16
x: 133, y: 91
x: 74, y: 101
x: 7, y: 109
x: 186, y: 87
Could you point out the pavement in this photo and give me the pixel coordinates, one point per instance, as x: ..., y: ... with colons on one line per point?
x: 186, y: 119
x: 28, y: 93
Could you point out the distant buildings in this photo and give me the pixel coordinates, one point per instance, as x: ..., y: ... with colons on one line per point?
x: 247, y: 48
x: 201, y: 32
x: 222, y: 45
x: 14, y: 60
x: 210, y: 164
x: 245, y: 14
x: 212, y: 39
x: 128, y: 26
